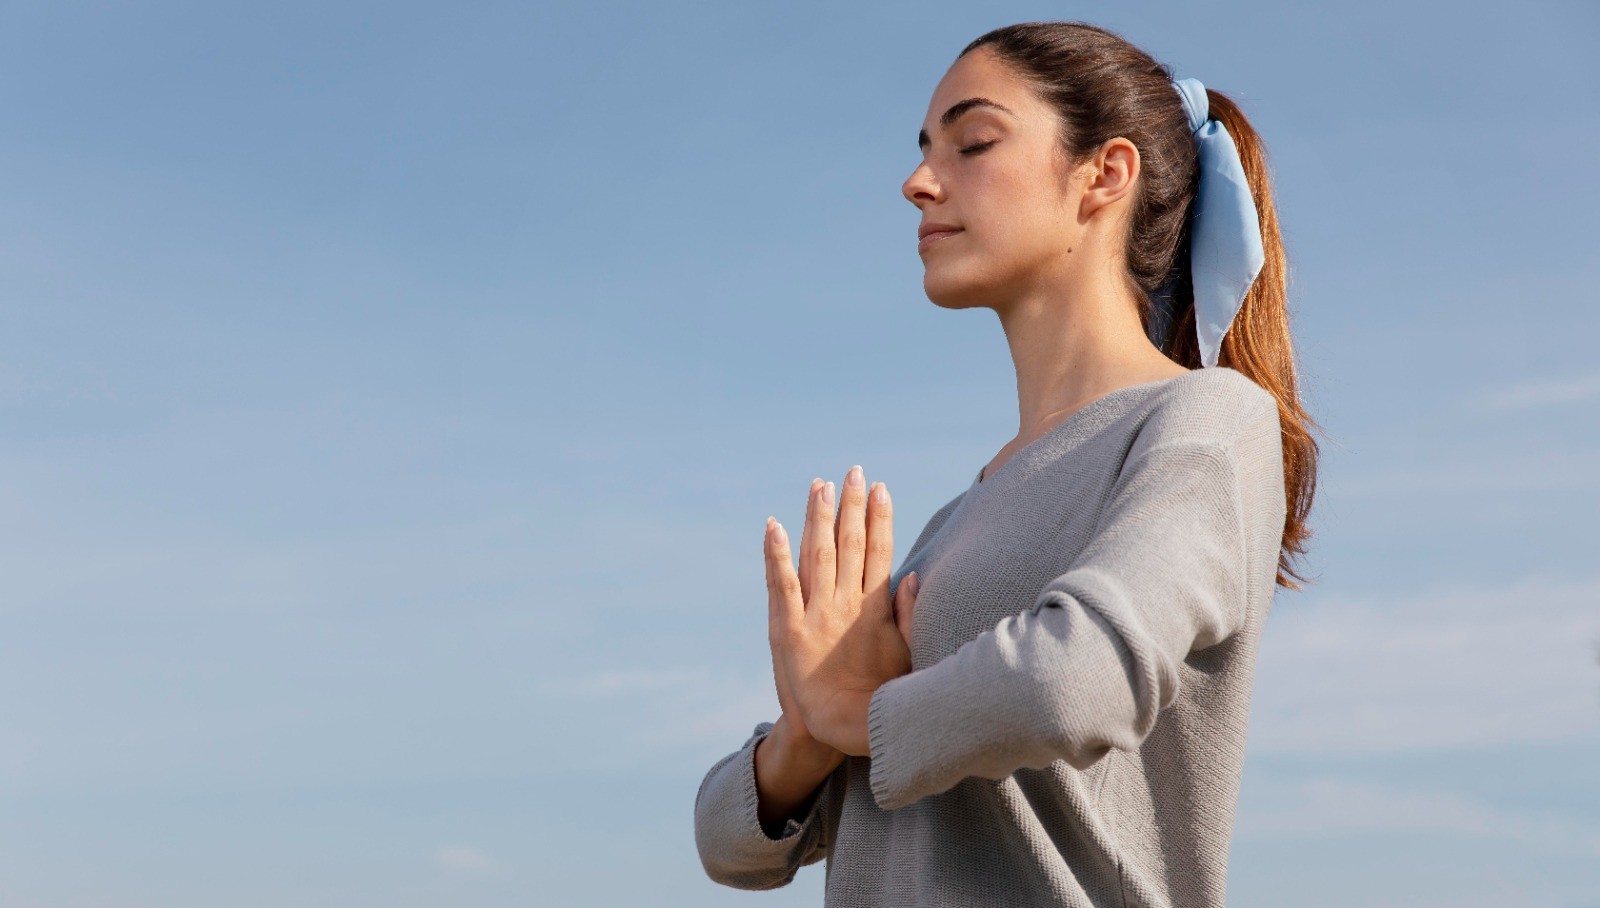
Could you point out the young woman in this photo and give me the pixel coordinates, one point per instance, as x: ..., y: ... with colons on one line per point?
x: 1047, y: 703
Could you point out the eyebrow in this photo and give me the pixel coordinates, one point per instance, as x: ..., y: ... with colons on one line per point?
x: 954, y: 113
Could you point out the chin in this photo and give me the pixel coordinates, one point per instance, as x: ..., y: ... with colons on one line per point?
x: 955, y: 287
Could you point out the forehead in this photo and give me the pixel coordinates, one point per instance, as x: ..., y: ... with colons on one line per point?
x: 979, y: 74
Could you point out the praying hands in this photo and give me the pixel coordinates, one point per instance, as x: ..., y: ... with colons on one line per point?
x: 835, y: 634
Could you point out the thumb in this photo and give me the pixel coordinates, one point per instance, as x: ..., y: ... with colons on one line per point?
x: 905, y: 603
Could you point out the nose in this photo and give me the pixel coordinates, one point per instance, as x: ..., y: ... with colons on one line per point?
x: 921, y: 187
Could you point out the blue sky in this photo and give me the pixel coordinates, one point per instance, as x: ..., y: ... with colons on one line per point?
x: 391, y: 397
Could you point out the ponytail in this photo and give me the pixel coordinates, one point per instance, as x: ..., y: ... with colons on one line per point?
x: 1258, y: 342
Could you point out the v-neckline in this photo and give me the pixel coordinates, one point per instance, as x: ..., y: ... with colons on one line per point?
x: 1072, y: 419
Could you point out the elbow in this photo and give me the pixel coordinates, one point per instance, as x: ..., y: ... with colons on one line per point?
x: 748, y: 860
x: 747, y: 880
x: 1082, y: 745
x: 722, y: 866
x: 1116, y: 703
x: 1083, y: 756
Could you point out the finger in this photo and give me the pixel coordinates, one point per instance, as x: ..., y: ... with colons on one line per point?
x: 777, y: 637
x: 785, y: 582
x: 879, y: 552
x: 775, y: 634
x: 825, y: 556
x: 808, y: 538
x: 777, y: 612
x: 852, y: 530
x: 905, y: 603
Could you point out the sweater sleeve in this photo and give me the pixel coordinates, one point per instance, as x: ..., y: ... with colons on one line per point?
x: 1091, y: 662
x: 734, y: 848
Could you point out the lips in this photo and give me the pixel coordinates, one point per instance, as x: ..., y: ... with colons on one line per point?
x: 924, y: 240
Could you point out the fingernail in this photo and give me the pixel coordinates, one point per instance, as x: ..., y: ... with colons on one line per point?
x: 780, y: 535
x: 855, y: 477
x: 880, y: 493
x: 827, y: 494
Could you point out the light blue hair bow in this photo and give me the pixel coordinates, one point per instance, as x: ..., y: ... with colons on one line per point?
x: 1225, y: 253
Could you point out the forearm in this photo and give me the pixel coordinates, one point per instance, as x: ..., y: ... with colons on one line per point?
x: 789, y: 771
x: 1053, y: 683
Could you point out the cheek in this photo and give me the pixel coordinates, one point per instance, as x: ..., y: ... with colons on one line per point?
x: 1040, y: 232
x: 1020, y: 228
x: 1016, y: 213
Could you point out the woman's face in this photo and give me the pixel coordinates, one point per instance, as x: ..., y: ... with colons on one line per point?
x: 995, y: 174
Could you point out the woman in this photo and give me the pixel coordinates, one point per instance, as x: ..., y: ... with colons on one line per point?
x: 1051, y: 708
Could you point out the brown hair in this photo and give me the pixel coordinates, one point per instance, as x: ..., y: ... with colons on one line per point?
x: 1101, y: 86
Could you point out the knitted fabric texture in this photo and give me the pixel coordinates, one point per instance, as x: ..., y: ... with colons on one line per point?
x: 1083, y: 649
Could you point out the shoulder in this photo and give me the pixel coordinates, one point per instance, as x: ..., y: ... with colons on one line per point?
x: 1215, y: 405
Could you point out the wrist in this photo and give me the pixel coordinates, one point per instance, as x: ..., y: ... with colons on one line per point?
x: 799, y: 749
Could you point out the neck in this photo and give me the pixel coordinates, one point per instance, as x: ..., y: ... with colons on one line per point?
x: 1073, y: 343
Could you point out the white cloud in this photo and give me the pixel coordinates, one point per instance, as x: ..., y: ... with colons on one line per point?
x: 1330, y: 806
x: 733, y: 718
x: 1452, y: 667
x: 1447, y: 668
x: 1546, y: 392
x: 690, y: 708
x: 462, y: 858
x: 623, y: 681
x: 1551, y: 469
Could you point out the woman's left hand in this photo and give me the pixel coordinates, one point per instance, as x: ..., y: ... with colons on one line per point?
x: 838, y: 640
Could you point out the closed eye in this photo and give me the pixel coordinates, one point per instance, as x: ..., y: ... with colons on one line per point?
x: 975, y: 149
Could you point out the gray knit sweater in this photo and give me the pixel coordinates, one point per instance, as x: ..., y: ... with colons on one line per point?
x: 1072, y: 731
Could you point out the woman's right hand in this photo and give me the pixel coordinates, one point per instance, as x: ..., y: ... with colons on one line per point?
x: 792, y: 727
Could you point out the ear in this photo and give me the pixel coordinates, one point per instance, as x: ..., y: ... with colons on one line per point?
x: 1110, y: 173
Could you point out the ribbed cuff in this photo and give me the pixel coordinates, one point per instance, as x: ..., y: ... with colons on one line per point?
x: 752, y: 801
x: 891, y: 768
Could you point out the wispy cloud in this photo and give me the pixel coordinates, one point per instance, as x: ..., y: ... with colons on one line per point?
x: 1450, y: 667
x: 1535, y: 471
x: 1331, y: 806
x: 1476, y: 465
x: 1545, y: 392
x: 732, y: 717
x: 619, y: 682
x: 463, y: 859
x: 1458, y: 666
